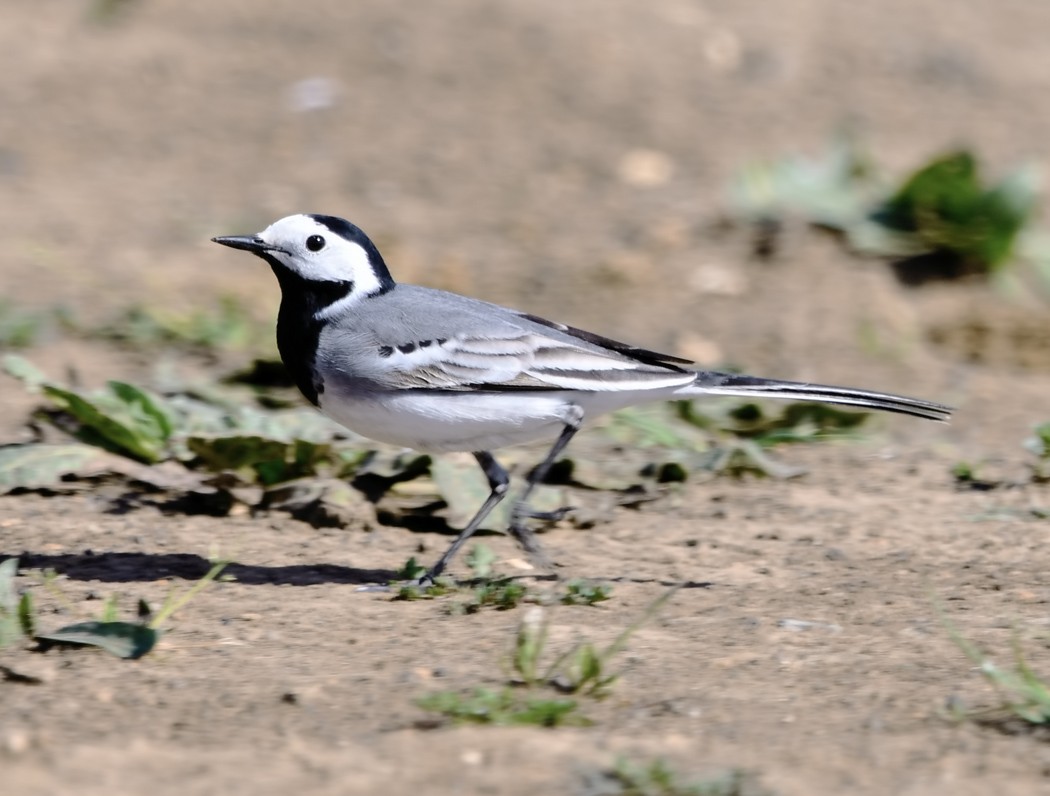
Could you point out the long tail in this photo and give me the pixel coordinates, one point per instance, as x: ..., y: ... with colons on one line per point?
x: 714, y: 383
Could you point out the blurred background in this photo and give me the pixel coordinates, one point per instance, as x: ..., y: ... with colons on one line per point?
x: 575, y: 159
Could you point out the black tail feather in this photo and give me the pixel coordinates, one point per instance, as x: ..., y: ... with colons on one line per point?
x: 714, y: 383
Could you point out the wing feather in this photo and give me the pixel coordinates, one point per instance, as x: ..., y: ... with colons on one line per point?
x: 526, y: 359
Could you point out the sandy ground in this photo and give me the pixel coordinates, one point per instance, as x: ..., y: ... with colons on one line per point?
x: 569, y: 159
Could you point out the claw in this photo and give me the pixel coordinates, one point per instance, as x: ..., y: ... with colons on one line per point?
x: 547, y: 516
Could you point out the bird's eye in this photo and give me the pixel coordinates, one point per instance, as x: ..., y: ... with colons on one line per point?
x: 315, y: 243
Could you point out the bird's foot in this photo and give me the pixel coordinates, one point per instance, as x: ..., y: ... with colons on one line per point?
x: 526, y: 537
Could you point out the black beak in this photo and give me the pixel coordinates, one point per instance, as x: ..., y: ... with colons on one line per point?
x: 250, y: 243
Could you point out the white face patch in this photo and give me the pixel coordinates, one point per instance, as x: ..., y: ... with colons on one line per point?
x: 318, y: 254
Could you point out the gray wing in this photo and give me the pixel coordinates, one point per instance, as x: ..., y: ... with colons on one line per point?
x: 417, y: 338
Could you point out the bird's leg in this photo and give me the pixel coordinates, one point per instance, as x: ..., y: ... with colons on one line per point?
x: 498, y: 483
x: 518, y: 529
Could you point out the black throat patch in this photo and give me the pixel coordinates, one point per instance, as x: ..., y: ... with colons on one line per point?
x: 298, y: 330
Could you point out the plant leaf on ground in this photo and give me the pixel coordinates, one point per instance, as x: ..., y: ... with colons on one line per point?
x: 942, y: 221
x: 221, y: 448
x: 126, y: 639
x: 792, y: 422
x: 582, y: 670
x: 123, y: 639
x: 487, y: 588
x: 122, y: 420
x: 214, y: 435
x: 945, y: 209
x: 658, y: 779
x: 583, y: 592
x: 503, y: 707
x: 40, y: 465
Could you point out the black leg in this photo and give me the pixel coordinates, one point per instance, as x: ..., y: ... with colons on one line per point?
x: 518, y: 529
x: 498, y: 483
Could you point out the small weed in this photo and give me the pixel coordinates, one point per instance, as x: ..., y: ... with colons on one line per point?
x: 484, y: 590
x: 968, y: 476
x: 503, y: 707
x: 501, y: 594
x: 123, y: 639
x: 582, y: 592
x: 175, y: 603
x: 530, y: 641
x: 413, y: 591
x: 1024, y: 695
x: 583, y: 670
x: 658, y: 779
x: 964, y: 472
x: 1039, y: 445
x: 411, y: 570
x: 17, y: 618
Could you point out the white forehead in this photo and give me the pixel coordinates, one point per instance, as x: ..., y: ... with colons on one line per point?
x: 294, y: 230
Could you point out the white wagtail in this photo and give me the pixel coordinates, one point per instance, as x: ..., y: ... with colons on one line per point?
x: 436, y: 371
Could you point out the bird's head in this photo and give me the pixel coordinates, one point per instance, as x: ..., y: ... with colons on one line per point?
x: 321, y: 250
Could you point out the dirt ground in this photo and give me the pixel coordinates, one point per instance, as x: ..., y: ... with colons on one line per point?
x: 569, y: 159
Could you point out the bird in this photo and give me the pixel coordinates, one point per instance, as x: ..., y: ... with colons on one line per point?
x: 436, y: 371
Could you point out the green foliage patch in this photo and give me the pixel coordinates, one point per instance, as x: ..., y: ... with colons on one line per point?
x: 944, y: 220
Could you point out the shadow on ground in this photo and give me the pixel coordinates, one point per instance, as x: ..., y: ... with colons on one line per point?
x: 114, y: 567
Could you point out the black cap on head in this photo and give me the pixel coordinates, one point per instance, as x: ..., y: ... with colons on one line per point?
x: 352, y: 232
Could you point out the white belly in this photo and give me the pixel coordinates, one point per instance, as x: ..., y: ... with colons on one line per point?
x: 438, y: 422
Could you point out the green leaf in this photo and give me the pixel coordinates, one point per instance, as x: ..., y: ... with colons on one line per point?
x: 123, y: 639
x: 798, y: 421
x: 36, y: 465
x: 106, y: 430
x: 411, y: 570
x: 271, y: 461
x: 504, y: 707
x: 945, y: 207
x: 154, y: 417
x: 26, y: 615
x: 582, y: 592
x: 236, y: 452
x: 24, y: 370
